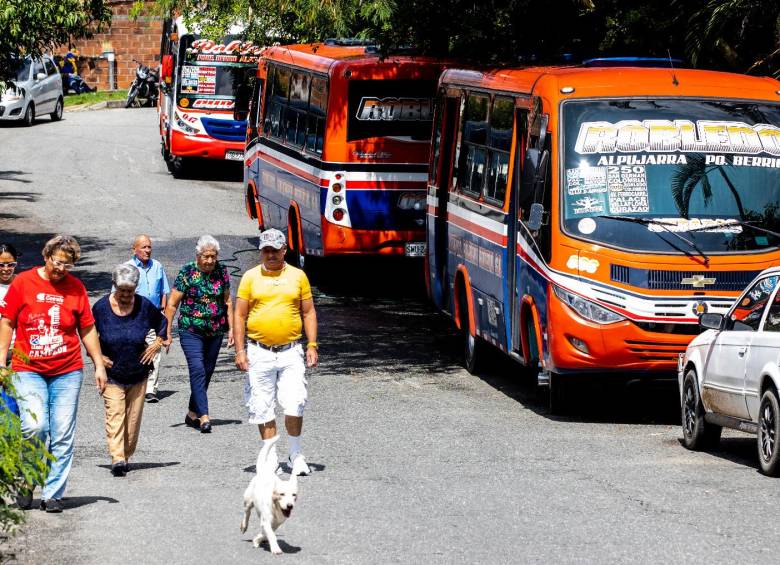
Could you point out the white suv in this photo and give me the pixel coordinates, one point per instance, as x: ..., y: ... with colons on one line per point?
x: 730, y: 375
x: 37, y: 90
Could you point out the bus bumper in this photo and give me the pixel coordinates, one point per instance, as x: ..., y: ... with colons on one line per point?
x: 183, y: 145
x: 576, y: 344
x: 339, y: 240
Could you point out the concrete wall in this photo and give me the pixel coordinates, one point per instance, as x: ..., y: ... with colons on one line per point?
x: 130, y: 39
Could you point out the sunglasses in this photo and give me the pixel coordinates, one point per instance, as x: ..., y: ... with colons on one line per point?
x: 61, y: 265
x: 9, y: 265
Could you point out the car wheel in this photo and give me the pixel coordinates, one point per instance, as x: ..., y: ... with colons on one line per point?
x: 56, y: 115
x: 698, y: 434
x: 769, y: 434
x: 29, y: 115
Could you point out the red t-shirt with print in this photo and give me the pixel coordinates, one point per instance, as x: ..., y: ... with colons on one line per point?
x: 48, y: 317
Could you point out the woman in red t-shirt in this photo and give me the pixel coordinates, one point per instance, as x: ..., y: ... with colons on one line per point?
x: 50, y: 311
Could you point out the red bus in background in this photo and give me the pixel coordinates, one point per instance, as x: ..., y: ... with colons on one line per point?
x: 206, y: 87
x: 337, y: 148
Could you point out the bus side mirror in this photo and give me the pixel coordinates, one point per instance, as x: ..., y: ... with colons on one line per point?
x: 535, y: 217
x: 166, y: 68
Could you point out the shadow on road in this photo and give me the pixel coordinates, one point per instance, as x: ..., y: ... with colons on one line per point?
x: 739, y: 450
x: 14, y: 176
x: 213, y: 170
x: 78, y: 501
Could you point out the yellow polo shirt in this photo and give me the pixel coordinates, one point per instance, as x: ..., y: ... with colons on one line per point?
x: 274, y: 303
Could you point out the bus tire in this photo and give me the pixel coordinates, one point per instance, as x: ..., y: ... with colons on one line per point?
x: 532, y: 363
x: 559, y: 399
x: 178, y: 166
x: 473, y: 347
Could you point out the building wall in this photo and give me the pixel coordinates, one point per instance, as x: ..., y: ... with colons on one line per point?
x: 129, y: 39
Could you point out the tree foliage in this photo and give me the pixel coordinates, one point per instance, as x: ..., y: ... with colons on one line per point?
x: 22, y: 462
x: 31, y: 27
x: 735, y: 35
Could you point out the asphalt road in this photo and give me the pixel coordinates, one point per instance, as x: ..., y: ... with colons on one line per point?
x: 414, y: 459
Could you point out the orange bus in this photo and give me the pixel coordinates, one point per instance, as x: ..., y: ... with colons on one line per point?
x: 337, y: 148
x: 582, y: 219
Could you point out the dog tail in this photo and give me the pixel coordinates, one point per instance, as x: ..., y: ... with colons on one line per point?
x: 265, y: 451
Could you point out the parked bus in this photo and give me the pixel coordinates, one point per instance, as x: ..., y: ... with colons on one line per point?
x: 581, y: 219
x: 337, y: 152
x: 206, y: 86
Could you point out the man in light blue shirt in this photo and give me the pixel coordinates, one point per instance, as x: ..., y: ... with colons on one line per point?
x: 152, y: 284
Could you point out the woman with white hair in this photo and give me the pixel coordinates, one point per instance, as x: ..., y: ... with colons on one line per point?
x: 123, y: 320
x: 202, y: 294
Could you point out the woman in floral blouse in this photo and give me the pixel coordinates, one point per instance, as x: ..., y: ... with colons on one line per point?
x: 202, y: 294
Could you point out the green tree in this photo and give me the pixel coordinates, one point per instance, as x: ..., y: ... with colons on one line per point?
x: 31, y: 27
x: 22, y: 462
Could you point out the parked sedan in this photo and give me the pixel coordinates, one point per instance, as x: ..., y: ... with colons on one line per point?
x: 36, y: 91
x: 730, y: 374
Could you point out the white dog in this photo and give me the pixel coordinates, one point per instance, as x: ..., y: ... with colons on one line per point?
x: 272, y: 498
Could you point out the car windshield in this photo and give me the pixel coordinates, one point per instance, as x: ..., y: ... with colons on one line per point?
x: 23, y: 69
x: 638, y: 174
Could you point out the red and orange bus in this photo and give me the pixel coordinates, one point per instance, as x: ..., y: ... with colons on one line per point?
x: 581, y: 219
x: 206, y: 86
x: 337, y: 148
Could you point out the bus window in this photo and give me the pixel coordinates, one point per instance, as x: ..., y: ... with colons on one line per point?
x: 318, y: 103
x: 278, y: 101
x: 475, y: 119
x: 295, y: 115
x: 433, y: 173
x: 499, y: 142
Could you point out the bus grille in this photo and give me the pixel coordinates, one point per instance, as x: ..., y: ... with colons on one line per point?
x: 656, y: 279
x: 226, y: 130
x: 654, y: 351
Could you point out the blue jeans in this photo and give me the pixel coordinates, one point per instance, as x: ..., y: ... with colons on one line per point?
x: 48, y: 408
x: 201, y: 352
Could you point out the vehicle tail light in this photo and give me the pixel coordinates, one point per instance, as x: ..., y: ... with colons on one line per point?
x: 338, y: 214
x: 337, y: 187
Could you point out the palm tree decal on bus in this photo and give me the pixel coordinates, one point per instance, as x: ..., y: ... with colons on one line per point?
x: 694, y: 173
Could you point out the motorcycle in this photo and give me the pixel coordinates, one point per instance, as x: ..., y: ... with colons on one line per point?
x: 144, y: 86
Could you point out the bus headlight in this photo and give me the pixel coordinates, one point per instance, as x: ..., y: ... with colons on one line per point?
x: 585, y: 308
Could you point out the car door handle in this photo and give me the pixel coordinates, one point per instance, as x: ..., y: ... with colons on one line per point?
x: 741, y: 351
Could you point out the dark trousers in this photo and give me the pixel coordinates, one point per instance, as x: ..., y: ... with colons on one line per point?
x: 201, y: 353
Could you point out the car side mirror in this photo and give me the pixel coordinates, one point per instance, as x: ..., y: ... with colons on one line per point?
x: 712, y: 321
x: 40, y: 76
x: 535, y: 217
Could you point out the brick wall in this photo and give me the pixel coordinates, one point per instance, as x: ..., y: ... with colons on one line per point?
x: 129, y: 39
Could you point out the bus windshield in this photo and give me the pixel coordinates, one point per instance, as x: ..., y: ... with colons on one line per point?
x: 638, y: 174
x: 209, y: 80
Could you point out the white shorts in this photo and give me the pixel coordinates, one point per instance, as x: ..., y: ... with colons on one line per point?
x: 275, y: 376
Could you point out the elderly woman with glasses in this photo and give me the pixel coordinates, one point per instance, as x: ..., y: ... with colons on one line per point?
x: 202, y: 294
x: 123, y: 319
x: 50, y: 311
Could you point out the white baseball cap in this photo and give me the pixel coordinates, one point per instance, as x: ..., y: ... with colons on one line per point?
x: 272, y: 238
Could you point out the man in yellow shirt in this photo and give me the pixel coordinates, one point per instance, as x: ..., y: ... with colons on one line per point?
x: 274, y: 306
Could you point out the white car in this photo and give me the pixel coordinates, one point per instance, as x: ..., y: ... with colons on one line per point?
x: 730, y: 375
x: 36, y: 90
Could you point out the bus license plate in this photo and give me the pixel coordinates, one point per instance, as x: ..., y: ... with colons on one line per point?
x: 234, y: 155
x: 416, y: 249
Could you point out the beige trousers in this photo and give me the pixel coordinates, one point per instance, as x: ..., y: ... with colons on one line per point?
x: 124, y: 408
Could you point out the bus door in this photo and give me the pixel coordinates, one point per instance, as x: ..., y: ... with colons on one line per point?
x: 442, y: 163
x: 531, y: 162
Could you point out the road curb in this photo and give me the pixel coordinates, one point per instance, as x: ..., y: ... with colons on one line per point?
x: 105, y: 104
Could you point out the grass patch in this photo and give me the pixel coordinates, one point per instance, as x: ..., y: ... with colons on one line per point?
x: 94, y: 97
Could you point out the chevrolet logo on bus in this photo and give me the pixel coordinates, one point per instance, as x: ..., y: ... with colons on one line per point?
x: 395, y: 109
x: 698, y: 281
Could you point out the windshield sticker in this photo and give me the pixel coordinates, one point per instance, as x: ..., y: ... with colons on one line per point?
x: 189, y: 78
x: 586, y: 226
x: 684, y: 136
x: 709, y: 225
x: 207, y: 80
x: 586, y: 180
x: 627, y: 189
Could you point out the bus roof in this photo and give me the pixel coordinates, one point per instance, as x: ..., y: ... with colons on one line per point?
x: 617, y: 81
x: 322, y: 56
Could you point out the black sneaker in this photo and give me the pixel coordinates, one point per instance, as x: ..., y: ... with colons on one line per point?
x: 52, y: 506
x: 119, y: 469
x: 151, y: 397
x: 24, y: 499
